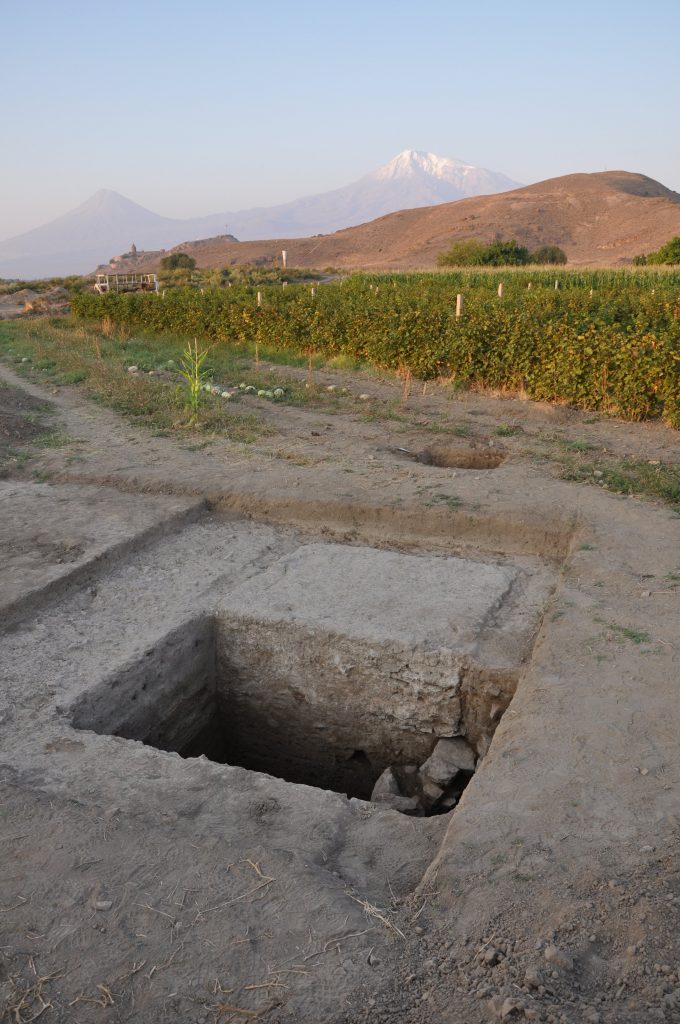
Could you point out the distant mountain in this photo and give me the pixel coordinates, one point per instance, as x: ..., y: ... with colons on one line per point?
x: 600, y: 219
x: 411, y: 179
x: 106, y: 224
x: 109, y: 223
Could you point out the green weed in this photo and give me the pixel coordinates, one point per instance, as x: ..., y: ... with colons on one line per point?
x: 636, y: 636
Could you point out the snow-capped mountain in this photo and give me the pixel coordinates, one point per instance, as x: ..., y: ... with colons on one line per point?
x: 108, y: 223
x: 431, y: 169
x: 411, y: 179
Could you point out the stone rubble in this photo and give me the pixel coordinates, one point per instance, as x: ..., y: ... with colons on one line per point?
x: 433, y: 788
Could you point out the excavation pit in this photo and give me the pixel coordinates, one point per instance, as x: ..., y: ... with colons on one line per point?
x: 291, y: 703
x: 459, y: 457
x: 317, y: 672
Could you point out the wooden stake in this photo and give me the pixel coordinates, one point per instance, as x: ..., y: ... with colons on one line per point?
x: 459, y: 306
x: 407, y: 382
x: 284, y: 257
x: 259, y: 298
x: 500, y: 290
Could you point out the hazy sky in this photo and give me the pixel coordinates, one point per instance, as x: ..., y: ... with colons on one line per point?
x: 192, y: 109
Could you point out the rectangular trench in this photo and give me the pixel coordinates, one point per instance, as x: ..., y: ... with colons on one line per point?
x: 297, y: 703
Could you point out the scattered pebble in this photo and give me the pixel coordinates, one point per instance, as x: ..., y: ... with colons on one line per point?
x: 532, y: 977
x: 558, y: 958
x: 132, y: 369
x: 103, y: 904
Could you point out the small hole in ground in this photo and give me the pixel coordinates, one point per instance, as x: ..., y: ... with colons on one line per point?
x: 459, y: 457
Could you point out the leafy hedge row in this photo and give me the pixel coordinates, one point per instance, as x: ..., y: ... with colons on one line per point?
x: 617, y: 349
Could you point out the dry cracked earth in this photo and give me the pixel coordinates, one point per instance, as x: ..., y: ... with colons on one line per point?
x: 210, y: 653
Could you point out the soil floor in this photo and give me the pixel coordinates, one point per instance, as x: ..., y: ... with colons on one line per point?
x: 139, y: 886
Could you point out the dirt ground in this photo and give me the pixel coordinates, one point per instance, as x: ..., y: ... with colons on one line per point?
x: 137, y: 886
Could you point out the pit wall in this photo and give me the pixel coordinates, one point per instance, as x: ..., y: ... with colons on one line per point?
x: 164, y: 698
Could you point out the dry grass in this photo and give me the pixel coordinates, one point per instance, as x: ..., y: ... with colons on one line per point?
x: 95, y: 360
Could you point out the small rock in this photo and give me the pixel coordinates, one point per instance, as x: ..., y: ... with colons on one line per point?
x: 387, y: 785
x: 490, y: 956
x: 404, y: 804
x: 448, y: 758
x: 495, y: 1006
x: 431, y: 791
x: 364, y: 398
x: 103, y: 904
x: 448, y: 802
x: 631, y: 951
x: 532, y: 977
x: 502, y: 1009
x: 132, y: 369
x: 558, y: 958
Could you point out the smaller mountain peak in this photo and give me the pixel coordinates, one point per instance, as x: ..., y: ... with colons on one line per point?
x: 106, y: 196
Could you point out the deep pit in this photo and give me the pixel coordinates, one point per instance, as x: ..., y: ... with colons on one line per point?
x: 306, y: 707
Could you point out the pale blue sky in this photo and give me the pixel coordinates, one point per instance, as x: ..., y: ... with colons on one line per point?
x: 217, y: 106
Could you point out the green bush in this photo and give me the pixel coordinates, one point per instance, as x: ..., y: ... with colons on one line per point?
x: 468, y: 253
x: 178, y: 261
x: 472, y: 253
x: 548, y: 254
x: 506, y: 254
x: 668, y: 254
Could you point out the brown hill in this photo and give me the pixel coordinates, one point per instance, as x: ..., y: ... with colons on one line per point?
x: 598, y: 219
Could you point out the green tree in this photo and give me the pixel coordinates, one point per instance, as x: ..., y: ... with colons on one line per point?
x: 668, y: 253
x: 548, y: 254
x: 177, y: 261
x: 506, y: 253
x: 467, y: 253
